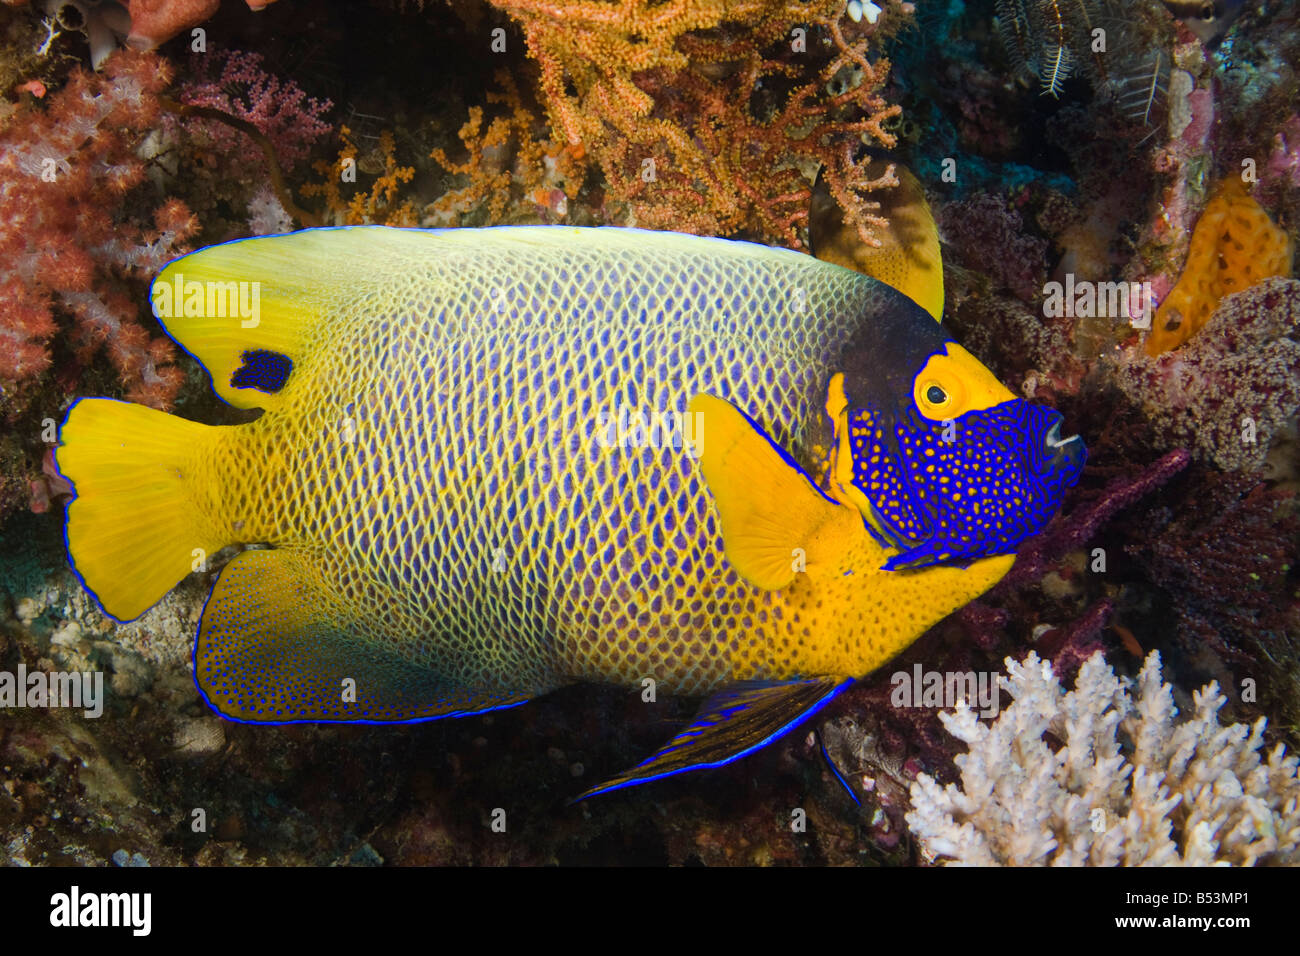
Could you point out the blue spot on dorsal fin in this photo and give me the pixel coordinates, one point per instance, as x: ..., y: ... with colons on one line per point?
x: 263, y: 370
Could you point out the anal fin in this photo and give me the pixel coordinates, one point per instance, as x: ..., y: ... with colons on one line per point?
x: 274, y: 647
x: 733, y: 723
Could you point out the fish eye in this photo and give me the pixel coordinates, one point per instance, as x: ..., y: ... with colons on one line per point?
x: 949, y: 385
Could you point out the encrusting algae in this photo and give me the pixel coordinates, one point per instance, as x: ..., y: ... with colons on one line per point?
x: 1234, y: 246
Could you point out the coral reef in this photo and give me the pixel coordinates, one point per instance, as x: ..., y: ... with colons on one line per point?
x: 662, y: 104
x: 1128, y: 784
x: 1227, y: 566
x: 379, y: 203
x: 104, y: 22
x: 68, y: 242
x: 144, y: 24
x: 1283, y: 167
x: 154, y: 22
x: 1052, y: 41
x: 1232, y: 387
x: 509, y: 162
x: 237, y: 83
x: 987, y: 221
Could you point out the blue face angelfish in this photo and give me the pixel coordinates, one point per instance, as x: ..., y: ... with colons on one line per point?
x: 494, y: 462
x: 946, y: 475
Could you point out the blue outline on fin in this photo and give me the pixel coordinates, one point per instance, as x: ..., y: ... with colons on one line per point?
x: 194, y: 659
x: 836, y: 770
x: 785, y: 455
x: 771, y: 738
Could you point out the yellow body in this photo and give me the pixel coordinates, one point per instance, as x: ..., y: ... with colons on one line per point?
x: 436, y: 481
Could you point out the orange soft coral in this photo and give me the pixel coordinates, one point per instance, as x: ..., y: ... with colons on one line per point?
x: 379, y: 203
x: 660, y: 95
x: 511, y: 168
x: 1234, y: 246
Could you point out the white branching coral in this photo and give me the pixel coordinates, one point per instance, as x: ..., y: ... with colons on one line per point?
x: 1128, y: 785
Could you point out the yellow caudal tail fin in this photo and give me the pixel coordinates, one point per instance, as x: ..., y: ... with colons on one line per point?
x: 135, y: 527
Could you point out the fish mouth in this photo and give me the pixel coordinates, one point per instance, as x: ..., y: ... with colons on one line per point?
x: 1063, y: 453
x: 1054, y: 442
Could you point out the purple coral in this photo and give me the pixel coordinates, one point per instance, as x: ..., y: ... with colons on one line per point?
x: 1227, y: 391
x: 985, y: 222
x: 1224, y: 560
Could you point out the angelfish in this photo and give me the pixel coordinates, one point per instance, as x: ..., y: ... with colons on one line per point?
x: 446, y: 528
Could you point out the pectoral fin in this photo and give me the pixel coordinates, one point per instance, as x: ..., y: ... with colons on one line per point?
x: 772, y: 513
x: 731, y: 724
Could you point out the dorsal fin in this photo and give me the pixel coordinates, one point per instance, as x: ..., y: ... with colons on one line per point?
x: 304, y: 284
x: 908, y: 257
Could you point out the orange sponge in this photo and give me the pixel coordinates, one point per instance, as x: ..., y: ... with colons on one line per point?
x: 1234, y: 246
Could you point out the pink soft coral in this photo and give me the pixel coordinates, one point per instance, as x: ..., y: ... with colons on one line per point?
x: 67, y: 238
x: 235, y: 82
